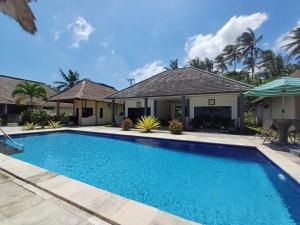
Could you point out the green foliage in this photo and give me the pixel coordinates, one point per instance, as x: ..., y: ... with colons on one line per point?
x: 40, y: 116
x: 175, y: 126
x: 293, y: 45
x: 206, y: 64
x: 26, y: 116
x: 126, y: 124
x: 242, y: 76
x: 30, y: 126
x: 69, y: 80
x: 220, y: 63
x: 148, y: 123
x: 31, y: 90
x: 173, y: 65
x: 54, y: 124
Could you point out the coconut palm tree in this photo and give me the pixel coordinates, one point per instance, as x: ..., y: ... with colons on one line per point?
x: 293, y: 47
x: 248, y: 47
x: 173, y: 65
x: 196, y: 63
x: 31, y: 90
x: 20, y: 12
x: 220, y: 63
x: 206, y: 64
x: 70, y: 79
x: 232, y: 55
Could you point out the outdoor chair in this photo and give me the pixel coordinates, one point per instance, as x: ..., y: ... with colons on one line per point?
x: 269, y: 132
x: 294, y: 131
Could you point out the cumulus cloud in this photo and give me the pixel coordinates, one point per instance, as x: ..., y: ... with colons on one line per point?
x: 147, y: 71
x: 282, y: 41
x: 210, y: 45
x: 81, y: 30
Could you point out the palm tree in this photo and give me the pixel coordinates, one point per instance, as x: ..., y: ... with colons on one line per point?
x: 248, y: 47
x: 20, y: 12
x: 173, y: 65
x: 206, y: 64
x: 293, y: 48
x: 196, y: 63
x: 232, y: 55
x: 31, y: 90
x: 69, y: 80
x: 220, y: 63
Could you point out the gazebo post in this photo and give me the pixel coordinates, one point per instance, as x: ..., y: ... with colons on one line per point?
x: 183, y: 104
x: 57, y: 108
x: 242, y: 109
x: 145, y: 106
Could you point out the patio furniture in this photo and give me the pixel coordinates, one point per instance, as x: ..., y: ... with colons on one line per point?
x: 283, y: 126
x: 269, y: 134
x: 292, y: 134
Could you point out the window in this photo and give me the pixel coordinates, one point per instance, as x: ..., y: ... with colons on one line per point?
x: 87, y: 112
x: 101, y: 113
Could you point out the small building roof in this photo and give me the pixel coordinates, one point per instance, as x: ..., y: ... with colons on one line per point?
x: 8, y: 85
x: 183, y: 81
x: 85, y: 90
x: 296, y: 74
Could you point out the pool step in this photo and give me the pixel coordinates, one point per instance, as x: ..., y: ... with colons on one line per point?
x: 7, y: 149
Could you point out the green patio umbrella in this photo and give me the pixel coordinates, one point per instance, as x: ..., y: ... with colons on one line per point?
x: 285, y: 86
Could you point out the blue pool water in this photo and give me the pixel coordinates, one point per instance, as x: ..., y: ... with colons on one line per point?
x: 209, y: 184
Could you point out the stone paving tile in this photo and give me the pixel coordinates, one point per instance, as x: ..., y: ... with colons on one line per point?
x: 162, y: 218
x: 54, y: 182
x: 10, y: 191
x: 19, y: 205
x: 134, y: 213
x: 96, y: 221
x: 41, y: 177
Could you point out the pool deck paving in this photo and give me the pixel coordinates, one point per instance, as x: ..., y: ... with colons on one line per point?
x: 95, y: 204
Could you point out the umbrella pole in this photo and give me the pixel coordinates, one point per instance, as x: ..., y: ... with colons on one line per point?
x: 283, y: 111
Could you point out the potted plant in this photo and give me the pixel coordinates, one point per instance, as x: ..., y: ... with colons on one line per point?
x: 175, y: 126
x: 148, y: 123
x: 126, y: 124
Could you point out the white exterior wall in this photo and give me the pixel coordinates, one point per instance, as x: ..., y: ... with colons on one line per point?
x: 220, y: 100
x: 272, y: 108
x: 133, y: 103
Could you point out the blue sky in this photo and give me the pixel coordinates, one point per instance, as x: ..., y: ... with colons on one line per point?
x: 110, y: 40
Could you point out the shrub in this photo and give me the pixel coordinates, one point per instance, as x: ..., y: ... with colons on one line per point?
x: 30, y: 126
x: 54, y: 124
x: 1, y: 121
x: 26, y: 116
x: 148, y: 123
x: 126, y: 124
x: 175, y: 126
x: 40, y: 116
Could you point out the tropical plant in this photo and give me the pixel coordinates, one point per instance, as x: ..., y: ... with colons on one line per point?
x: 31, y: 90
x: 40, y: 116
x: 242, y: 76
x: 232, y: 55
x: 173, y: 65
x: 1, y: 121
x: 126, y: 124
x: 248, y: 47
x: 69, y: 80
x: 54, y: 124
x: 293, y: 47
x: 20, y: 12
x: 220, y: 63
x: 175, y: 126
x: 30, y: 126
x: 148, y: 123
x: 206, y: 64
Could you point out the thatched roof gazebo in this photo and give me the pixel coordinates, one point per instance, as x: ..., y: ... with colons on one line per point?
x: 89, y: 104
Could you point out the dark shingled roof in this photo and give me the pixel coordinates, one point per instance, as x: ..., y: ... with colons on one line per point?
x: 184, y: 81
x: 296, y: 74
x: 8, y: 85
x: 85, y: 90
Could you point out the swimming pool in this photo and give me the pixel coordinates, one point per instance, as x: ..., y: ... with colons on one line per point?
x: 207, y: 183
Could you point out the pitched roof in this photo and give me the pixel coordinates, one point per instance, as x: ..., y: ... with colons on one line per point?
x: 86, y: 90
x: 296, y: 74
x: 183, y: 81
x: 8, y: 85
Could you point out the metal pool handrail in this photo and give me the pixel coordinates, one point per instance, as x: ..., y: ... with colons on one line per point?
x: 7, y: 136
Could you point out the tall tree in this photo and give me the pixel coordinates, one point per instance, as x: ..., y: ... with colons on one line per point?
x: 70, y: 79
x: 173, y: 65
x: 206, y: 64
x: 248, y: 47
x: 20, y: 11
x: 232, y: 55
x: 31, y: 90
x: 220, y: 63
x: 293, y: 47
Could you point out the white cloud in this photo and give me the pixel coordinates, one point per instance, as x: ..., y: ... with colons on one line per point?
x: 104, y: 44
x: 56, y: 34
x: 281, y: 41
x: 147, y: 71
x: 81, y: 30
x: 210, y: 45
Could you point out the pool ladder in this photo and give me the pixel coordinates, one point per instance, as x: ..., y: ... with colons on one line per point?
x: 6, y: 136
